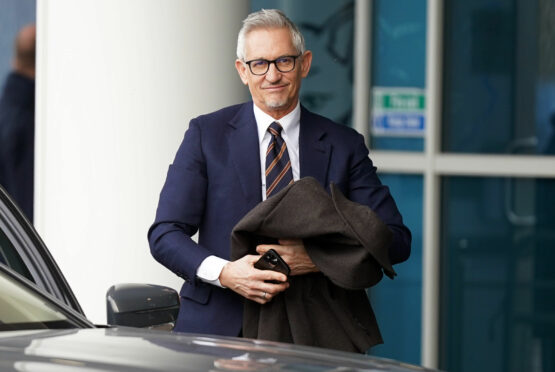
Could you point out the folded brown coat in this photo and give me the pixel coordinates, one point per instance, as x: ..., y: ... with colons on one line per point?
x: 349, y: 245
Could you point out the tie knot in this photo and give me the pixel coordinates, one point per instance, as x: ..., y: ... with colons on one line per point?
x: 275, y: 129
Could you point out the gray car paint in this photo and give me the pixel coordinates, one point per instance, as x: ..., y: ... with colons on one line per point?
x: 129, y: 349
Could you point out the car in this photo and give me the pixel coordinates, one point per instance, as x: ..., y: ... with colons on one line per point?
x: 22, y: 250
x: 43, y: 328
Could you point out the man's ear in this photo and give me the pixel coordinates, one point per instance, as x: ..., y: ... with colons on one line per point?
x: 241, y: 70
x: 306, y: 61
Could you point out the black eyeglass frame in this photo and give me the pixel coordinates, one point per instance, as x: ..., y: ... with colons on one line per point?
x: 274, y: 62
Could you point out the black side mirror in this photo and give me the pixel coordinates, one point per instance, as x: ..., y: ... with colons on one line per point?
x: 142, y: 305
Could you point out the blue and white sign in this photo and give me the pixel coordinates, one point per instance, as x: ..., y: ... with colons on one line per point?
x: 398, y: 112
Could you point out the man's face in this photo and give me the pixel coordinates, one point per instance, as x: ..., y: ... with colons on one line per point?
x: 275, y: 92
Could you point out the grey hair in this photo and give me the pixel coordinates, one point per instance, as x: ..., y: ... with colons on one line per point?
x: 268, y: 18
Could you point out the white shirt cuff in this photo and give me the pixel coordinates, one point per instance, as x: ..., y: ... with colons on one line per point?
x: 210, y: 269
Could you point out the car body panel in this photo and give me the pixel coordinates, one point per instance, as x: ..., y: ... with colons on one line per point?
x: 130, y: 349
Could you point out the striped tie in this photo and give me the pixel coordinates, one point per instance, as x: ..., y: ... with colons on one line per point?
x: 278, y: 165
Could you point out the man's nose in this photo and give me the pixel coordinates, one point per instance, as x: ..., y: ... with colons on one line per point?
x: 273, y: 73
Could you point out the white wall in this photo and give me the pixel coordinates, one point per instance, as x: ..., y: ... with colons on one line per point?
x: 117, y: 83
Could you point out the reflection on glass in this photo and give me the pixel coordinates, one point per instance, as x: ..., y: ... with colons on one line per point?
x: 498, y: 281
x: 398, y: 61
x: 397, y: 303
x: 499, y: 77
x: 21, y: 308
x: 11, y: 258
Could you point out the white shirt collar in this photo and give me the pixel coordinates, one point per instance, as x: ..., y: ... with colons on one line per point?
x: 290, y: 122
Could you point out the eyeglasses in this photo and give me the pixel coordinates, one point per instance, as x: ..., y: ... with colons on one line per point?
x: 283, y: 64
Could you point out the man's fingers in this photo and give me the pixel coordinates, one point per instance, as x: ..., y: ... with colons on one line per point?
x: 282, y: 250
x: 251, y: 258
x: 267, y: 275
x: 261, y: 300
x: 263, y: 274
x: 242, y: 277
x: 264, y: 294
x: 267, y: 293
x: 263, y: 248
x: 290, y: 241
x: 268, y: 282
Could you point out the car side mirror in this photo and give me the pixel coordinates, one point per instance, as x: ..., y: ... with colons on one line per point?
x: 142, y: 305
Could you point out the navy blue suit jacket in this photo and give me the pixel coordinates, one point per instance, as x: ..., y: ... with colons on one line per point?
x: 17, y: 140
x: 215, y: 180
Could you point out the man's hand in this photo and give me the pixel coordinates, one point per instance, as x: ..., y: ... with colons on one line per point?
x: 242, y: 277
x: 294, y: 253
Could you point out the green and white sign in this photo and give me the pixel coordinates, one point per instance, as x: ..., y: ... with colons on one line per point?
x: 398, y: 112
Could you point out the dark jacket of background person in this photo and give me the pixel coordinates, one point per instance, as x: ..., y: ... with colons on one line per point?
x: 17, y: 138
x: 348, y: 243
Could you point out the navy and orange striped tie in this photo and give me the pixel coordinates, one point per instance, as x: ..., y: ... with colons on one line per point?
x: 278, y: 165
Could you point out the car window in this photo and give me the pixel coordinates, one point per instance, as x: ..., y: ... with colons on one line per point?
x: 22, y: 250
x: 22, y: 308
x: 10, y: 257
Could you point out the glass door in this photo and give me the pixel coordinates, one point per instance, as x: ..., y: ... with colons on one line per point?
x: 497, y: 231
x: 488, y: 167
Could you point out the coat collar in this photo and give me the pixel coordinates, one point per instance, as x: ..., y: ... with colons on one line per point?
x: 314, y: 151
x: 243, y: 148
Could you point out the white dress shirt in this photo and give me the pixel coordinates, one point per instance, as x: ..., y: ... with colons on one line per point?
x: 290, y: 134
x: 209, y: 270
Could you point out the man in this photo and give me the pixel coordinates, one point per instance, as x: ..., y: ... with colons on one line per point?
x: 222, y: 170
x: 17, y: 123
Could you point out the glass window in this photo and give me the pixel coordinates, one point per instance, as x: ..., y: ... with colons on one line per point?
x: 498, y: 281
x: 499, y: 77
x: 397, y: 303
x: 10, y: 257
x: 23, y: 251
x: 22, y: 308
x: 398, y: 65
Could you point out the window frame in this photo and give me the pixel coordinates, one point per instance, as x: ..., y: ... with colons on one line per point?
x: 31, y: 249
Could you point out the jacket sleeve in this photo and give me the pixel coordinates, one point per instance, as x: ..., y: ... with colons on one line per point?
x: 366, y: 188
x: 180, y: 209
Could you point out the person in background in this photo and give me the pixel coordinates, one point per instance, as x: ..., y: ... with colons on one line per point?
x: 17, y: 123
x: 232, y: 159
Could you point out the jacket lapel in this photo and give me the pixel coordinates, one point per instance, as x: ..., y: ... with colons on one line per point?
x: 243, y: 148
x: 314, y: 151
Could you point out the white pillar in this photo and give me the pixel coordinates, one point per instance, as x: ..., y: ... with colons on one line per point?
x: 363, y: 64
x: 117, y: 83
x: 432, y: 214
